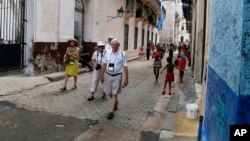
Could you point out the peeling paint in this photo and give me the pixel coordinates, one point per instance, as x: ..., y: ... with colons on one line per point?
x: 48, y: 57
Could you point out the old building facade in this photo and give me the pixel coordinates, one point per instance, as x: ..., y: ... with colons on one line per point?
x: 45, y: 26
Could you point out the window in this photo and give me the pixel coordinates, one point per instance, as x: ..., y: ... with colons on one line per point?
x: 135, y: 39
x: 130, y: 6
x: 142, y: 37
x: 182, y: 39
x: 126, y: 37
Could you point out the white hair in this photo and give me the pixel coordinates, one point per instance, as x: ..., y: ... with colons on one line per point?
x: 114, y: 41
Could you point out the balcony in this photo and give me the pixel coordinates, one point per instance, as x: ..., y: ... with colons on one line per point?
x: 155, y: 5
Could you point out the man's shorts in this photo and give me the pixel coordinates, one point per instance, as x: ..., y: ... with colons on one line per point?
x: 112, y: 84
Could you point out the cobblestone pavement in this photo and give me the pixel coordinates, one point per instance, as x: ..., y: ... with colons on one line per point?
x: 135, y: 102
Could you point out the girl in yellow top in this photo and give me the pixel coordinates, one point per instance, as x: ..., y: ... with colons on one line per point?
x: 71, y: 58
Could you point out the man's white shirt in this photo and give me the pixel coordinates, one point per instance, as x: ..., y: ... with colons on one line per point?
x: 119, y: 59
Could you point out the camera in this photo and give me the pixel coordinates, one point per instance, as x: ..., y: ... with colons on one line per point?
x: 98, y: 66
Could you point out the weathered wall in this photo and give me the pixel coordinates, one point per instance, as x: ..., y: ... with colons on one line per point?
x: 226, y: 35
x: 54, y: 25
x: 29, y: 69
x: 221, y: 107
x: 199, y: 42
x: 48, y: 57
x: 228, y: 81
x: 245, y: 52
x: 167, y: 34
x: 205, y: 67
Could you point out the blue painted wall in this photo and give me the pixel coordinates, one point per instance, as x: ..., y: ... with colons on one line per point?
x: 225, y: 40
x: 221, y: 108
x: 245, y: 51
x: 228, y: 83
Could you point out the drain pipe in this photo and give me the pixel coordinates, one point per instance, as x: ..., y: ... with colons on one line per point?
x: 200, y: 128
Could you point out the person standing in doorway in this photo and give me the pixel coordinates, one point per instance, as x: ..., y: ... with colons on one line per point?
x: 114, y: 63
x: 71, y: 59
x: 97, y: 60
x: 108, y: 45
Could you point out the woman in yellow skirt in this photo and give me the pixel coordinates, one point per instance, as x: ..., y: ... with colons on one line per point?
x: 71, y: 58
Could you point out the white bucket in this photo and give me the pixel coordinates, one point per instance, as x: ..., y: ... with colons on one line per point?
x: 192, y: 111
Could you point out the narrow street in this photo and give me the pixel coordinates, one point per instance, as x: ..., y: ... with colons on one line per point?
x: 68, y: 116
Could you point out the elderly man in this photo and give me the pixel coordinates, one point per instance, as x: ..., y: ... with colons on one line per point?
x: 114, y: 63
x: 108, y: 45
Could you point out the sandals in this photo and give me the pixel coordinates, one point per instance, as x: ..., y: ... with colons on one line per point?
x: 63, y: 89
x: 74, y: 87
x: 163, y: 93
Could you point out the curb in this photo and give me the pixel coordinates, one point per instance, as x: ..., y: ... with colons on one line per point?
x: 133, y: 59
x: 60, y: 75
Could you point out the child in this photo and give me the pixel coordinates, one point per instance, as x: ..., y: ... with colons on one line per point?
x: 169, y: 78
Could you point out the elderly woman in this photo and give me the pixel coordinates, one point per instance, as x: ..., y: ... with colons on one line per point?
x: 97, y: 59
x: 71, y: 58
x: 157, y: 55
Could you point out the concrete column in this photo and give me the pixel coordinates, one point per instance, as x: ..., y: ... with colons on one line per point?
x: 46, y: 21
x: 207, y: 46
x: 193, y: 34
x: 139, y: 25
x: 199, y: 39
x: 131, y: 33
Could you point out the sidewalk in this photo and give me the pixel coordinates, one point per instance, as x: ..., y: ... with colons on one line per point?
x: 176, y: 125
x: 17, y: 82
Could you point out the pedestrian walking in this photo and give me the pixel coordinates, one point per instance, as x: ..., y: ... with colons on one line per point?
x: 108, y: 45
x: 148, y: 50
x: 169, y: 77
x: 163, y: 49
x: 97, y: 60
x: 114, y: 63
x: 171, y: 51
x: 157, y: 55
x: 71, y: 59
x: 181, y: 62
x: 141, y: 53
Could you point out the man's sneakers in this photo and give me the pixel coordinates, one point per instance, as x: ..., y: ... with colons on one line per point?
x: 63, y: 89
x: 91, y: 98
x: 110, y: 115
